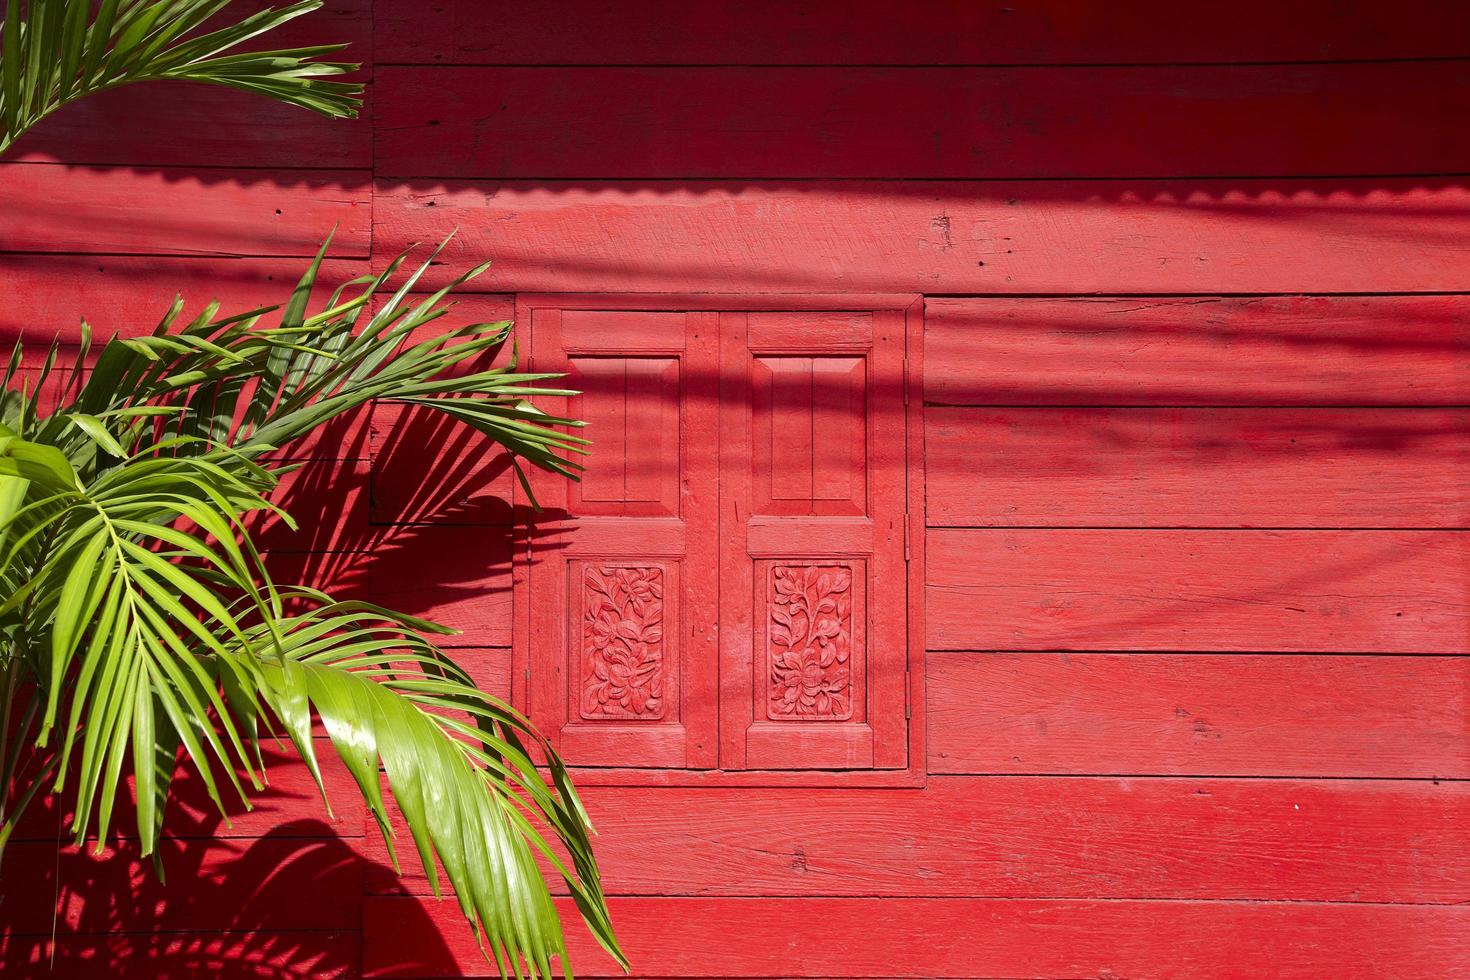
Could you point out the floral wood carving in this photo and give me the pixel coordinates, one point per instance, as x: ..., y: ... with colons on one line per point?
x: 623, y: 642
x: 810, y: 643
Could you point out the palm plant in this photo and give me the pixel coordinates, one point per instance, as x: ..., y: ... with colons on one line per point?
x: 138, y: 623
x: 138, y: 619
x: 60, y: 51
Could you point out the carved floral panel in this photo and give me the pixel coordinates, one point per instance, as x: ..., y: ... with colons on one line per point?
x: 809, y: 636
x: 623, y: 642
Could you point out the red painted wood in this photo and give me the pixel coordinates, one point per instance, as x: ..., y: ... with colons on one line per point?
x: 52, y: 208
x: 1197, y: 714
x: 1300, y: 591
x: 814, y: 512
x: 1269, y: 351
x: 1166, y: 412
x: 1198, y: 467
x: 455, y: 576
x: 49, y: 295
x: 1382, y: 235
x: 343, y: 575
x: 290, y: 799
x: 742, y: 937
x: 623, y: 581
x: 429, y: 469
x: 812, y: 606
x: 489, y: 666
x: 266, y: 884
x: 221, y: 955
x: 139, y: 126
x: 327, y: 498
x: 991, y: 123
x: 932, y: 32
x: 1017, y: 837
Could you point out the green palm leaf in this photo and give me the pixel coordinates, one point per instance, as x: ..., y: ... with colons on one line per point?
x: 135, y: 603
x: 53, y: 52
x: 456, y: 762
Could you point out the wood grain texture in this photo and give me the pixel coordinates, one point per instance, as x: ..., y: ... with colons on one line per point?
x: 290, y: 799
x: 1143, y: 843
x: 942, y: 237
x: 328, y: 500
x: 908, y: 123
x: 1193, y: 714
x: 715, y: 937
x: 1198, y: 467
x: 264, y: 884
x: 1018, y: 837
x: 80, y: 210
x: 140, y: 126
x: 344, y: 575
x: 1292, y: 591
x: 220, y: 955
x: 49, y: 295
x: 186, y: 124
x: 1270, y: 351
x: 456, y: 576
x: 929, y: 32
x: 430, y: 469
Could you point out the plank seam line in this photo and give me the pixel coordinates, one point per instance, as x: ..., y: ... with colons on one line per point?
x: 901, y: 897
x: 1292, y: 528
x: 1151, y: 406
x: 1000, y: 66
x: 211, y: 257
x: 252, y: 167
x: 1193, y: 777
x: 1211, y: 652
x: 1210, y: 407
x: 870, y: 179
x: 1227, y: 529
x: 1120, y: 652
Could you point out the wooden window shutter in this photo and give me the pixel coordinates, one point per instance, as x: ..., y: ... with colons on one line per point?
x: 726, y: 588
x: 622, y: 589
x: 812, y: 575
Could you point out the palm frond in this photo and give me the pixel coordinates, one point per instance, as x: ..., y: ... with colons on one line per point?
x: 134, y: 601
x: 53, y: 52
x: 259, y: 388
x: 123, y: 591
x: 456, y: 762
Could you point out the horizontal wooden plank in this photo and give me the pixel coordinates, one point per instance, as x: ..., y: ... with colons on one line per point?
x: 428, y: 468
x: 931, y: 32
x: 489, y: 667
x: 290, y: 804
x: 1191, y: 714
x: 1018, y: 837
x: 1293, y: 591
x: 140, y: 126
x: 268, y: 883
x: 1197, y: 467
x: 342, y: 574
x: 456, y: 576
x: 831, y: 937
x: 49, y: 295
x: 1273, y: 350
x: 57, y: 208
x: 907, y: 123
x: 943, y: 237
x: 290, y: 953
x: 328, y: 499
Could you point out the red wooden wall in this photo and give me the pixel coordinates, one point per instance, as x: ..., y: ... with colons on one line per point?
x: 1195, y: 448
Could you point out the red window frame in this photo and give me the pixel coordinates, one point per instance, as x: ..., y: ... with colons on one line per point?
x: 718, y: 733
